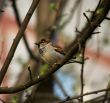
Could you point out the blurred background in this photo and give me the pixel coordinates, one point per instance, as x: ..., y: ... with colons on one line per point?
x: 56, y: 20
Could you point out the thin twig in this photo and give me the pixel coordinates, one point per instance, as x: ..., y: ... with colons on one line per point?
x: 90, y: 11
x: 30, y: 73
x: 98, y: 99
x: 82, y: 72
x: 106, y: 94
x: 94, y: 99
x: 107, y: 18
x: 96, y: 32
x: 77, y: 31
x: 85, y: 94
x: 74, y: 61
x: 87, y: 18
x: 95, y: 12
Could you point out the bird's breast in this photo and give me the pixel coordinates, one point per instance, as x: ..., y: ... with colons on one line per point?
x: 52, y: 56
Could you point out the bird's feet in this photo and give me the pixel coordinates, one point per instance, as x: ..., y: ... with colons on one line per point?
x: 55, y: 64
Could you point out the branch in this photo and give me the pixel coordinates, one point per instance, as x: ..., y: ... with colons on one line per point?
x: 17, y: 39
x: 17, y: 16
x: 77, y: 31
x: 87, y: 18
x: 107, y: 92
x: 96, y: 32
x: 86, y: 34
x: 30, y: 73
x: 82, y: 72
x: 85, y: 94
x: 107, y: 18
x: 93, y: 100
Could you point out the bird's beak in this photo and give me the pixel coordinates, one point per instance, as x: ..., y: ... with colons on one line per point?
x: 38, y: 44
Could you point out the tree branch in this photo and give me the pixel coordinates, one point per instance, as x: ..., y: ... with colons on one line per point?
x: 17, y: 39
x: 85, y: 94
x: 30, y: 73
x: 82, y: 72
x: 86, y: 34
x: 17, y: 16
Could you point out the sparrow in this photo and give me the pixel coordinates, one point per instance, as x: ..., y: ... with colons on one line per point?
x: 49, y: 52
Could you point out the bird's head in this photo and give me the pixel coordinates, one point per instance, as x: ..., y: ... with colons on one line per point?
x: 42, y: 43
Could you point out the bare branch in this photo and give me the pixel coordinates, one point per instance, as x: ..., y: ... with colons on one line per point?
x: 90, y: 11
x: 85, y: 94
x: 96, y: 32
x: 24, y: 35
x: 107, y: 92
x: 17, y: 39
x: 86, y: 34
x: 30, y: 74
x: 82, y: 72
x: 87, y: 18
x: 107, y: 18
x: 77, y: 31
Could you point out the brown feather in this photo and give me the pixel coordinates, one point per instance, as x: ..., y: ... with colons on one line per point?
x: 44, y: 40
x: 59, y: 49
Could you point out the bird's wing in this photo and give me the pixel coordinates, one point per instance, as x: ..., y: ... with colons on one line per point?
x: 59, y: 49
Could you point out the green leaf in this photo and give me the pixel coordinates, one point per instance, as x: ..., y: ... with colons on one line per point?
x: 43, y: 69
x: 52, y: 7
x: 14, y: 100
x: 79, y: 56
x: 100, y: 10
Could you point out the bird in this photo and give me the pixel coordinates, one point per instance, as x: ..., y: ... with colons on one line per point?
x: 50, y: 53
